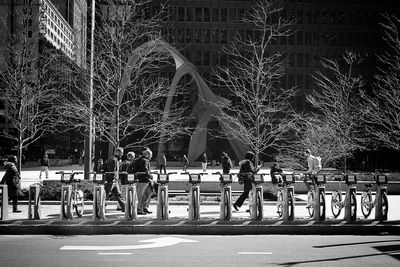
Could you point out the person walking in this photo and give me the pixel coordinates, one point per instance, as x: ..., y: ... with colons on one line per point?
x: 226, y: 163
x: 12, y: 179
x: 185, y: 163
x: 112, y: 170
x: 314, y: 166
x: 144, y: 186
x: 203, y: 159
x: 44, y: 166
x: 246, y: 166
x: 162, y: 161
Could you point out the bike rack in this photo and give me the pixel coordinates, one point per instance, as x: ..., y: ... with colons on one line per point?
x: 130, y: 181
x: 226, y: 197
x: 257, y: 205
x: 162, y: 196
x: 288, y: 197
x: 319, y: 191
x: 99, y: 197
x: 66, y: 197
x: 3, y: 202
x: 350, y: 180
x: 381, y: 192
x: 194, y: 196
x: 34, y: 202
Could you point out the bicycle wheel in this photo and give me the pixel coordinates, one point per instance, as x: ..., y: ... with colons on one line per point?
x: 79, y: 203
x: 336, y: 203
x: 310, y: 203
x: 65, y: 204
x: 366, y: 203
x: 259, y: 206
x: 385, y: 205
x: 322, y: 205
x: 227, y: 208
x: 290, y: 206
x: 162, y: 203
x: 194, y: 204
x: 279, y: 204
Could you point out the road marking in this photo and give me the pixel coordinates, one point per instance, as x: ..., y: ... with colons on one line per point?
x: 278, y: 223
x: 255, y: 253
x: 214, y: 223
x: 153, y: 243
x: 310, y: 223
x: 246, y: 223
x: 114, y: 253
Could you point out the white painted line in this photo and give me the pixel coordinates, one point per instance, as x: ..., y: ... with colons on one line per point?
x: 147, y: 223
x: 255, y: 253
x: 278, y: 223
x: 214, y: 223
x: 374, y: 223
x: 112, y: 253
x: 246, y: 223
x: 310, y: 223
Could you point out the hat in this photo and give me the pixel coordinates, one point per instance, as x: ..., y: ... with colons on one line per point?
x: 120, y: 149
x: 12, y: 159
x: 132, y: 154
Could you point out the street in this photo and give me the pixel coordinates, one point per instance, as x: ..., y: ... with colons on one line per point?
x: 151, y: 250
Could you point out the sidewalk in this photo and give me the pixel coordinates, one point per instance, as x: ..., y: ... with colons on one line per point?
x: 209, y: 223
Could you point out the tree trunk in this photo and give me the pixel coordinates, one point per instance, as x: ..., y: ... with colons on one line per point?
x: 19, y: 156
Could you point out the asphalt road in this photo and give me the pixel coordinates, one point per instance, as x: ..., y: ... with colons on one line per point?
x: 147, y: 250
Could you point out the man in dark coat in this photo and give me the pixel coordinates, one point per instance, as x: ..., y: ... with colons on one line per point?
x: 246, y: 167
x: 145, y: 182
x: 226, y: 163
x: 275, y: 170
x: 12, y: 179
x: 111, y: 184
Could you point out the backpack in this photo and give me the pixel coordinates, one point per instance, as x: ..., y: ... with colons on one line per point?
x: 317, y: 162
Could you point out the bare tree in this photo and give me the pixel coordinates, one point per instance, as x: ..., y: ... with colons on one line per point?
x: 338, y: 102
x: 384, y: 102
x: 129, y: 88
x: 260, y: 114
x: 28, y: 90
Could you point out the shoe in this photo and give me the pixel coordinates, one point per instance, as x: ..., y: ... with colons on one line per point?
x: 17, y: 211
x: 235, y: 207
x: 147, y: 211
x: 141, y: 213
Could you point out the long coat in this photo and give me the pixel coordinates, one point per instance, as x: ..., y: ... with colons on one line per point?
x: 12, y: 179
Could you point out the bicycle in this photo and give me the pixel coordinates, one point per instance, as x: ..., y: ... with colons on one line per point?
x: 283, y: 180
x: 367, y: 204
x: 225, y: 180
x: 315, y: 180
x: 76, y: 199
x: 337, y: 203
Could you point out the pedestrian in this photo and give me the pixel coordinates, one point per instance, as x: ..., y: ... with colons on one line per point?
x: 144, y: 186
x: 185, y: 163
x: 162, y: 161
x: 100, y: 165
x: 247, y: 168
x: 314, y: 166
x: 112, y: 169
x: 12, y: 179
x: 226, y: 163
x: 275, y: 169
x: 203, y: 159
x: 44, y: 166
x: 127, y: 162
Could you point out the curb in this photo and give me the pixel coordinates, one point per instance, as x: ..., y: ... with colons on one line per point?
x: 210, y: 227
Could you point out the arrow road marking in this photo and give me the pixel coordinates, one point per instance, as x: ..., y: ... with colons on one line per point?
x: 152, y: 243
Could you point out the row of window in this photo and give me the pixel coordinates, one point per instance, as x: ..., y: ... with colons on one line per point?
x: 234, y: 14
x: 300, y: 38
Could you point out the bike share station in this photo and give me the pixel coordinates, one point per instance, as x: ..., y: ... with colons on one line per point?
x: 99, y: 196
x: 130, y: 182
x: 317, y: 198
x: 162, y: 196
x: 226, y: 196
x: 194, y: 195
x: 71, y: 197
x: 34, y: 212
x: 350, y: 201
x: 285, y: 196
x: 257, y: 203
x: 380, y: 203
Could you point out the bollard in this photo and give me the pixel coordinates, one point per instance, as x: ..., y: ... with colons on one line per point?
x: 34, y: 212
x: 288, y: 203
x: 99, y: 197
x: 162, y: 202
x: 131, y: 203
x: 257, y: 205
x: 194, y: 202
x: 226, y: 203
x: 3, y: 202
x: 319, y: 203
x: 66, y: 207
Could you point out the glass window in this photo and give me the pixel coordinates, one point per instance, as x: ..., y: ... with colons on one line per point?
x: 189, y: 14
x: 198, y: 14
x: 214, y: 58
x: 181, y: 35
x: 232, y: 14
x: 197, y: 58
x: 300, y: 16
x: 291, y: 39
x: 224, y: 14
x: 349, y: 39
x: 299, y: 38
x: 206, y: 11
x: 214, y: 35
x: 224, y: 36
x: 300, y: 81
x: 223, y: 60
x: 215, y: 14
x: 197, y: 35
x: 206, y: 36
x: 299, y: 60
x: 188, y: 36
x: 206, y: 58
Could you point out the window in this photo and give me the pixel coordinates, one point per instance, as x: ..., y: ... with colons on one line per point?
x: 188, y: 36
x: 299, y: 60
x: 206, y: 36
x: 224, y: 14
x: 214, y: 35
x: 206, y: 11
x: 197, y: 36
x: 215, y: 14
x: 198, y: 14
x: 189, y: 14
x: 224, y: 36
x: 206, y: 58
x: 299, y: 38
x: 232, y: 14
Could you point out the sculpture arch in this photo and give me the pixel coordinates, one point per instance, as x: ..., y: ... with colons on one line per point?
x: 203, y: 110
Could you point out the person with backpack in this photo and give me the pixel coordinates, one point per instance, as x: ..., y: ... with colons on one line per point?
x: 145, y: 182
x: 226, y: 163
x: 313, y: 165
x: 246, y: 167
x: 112, y: 169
